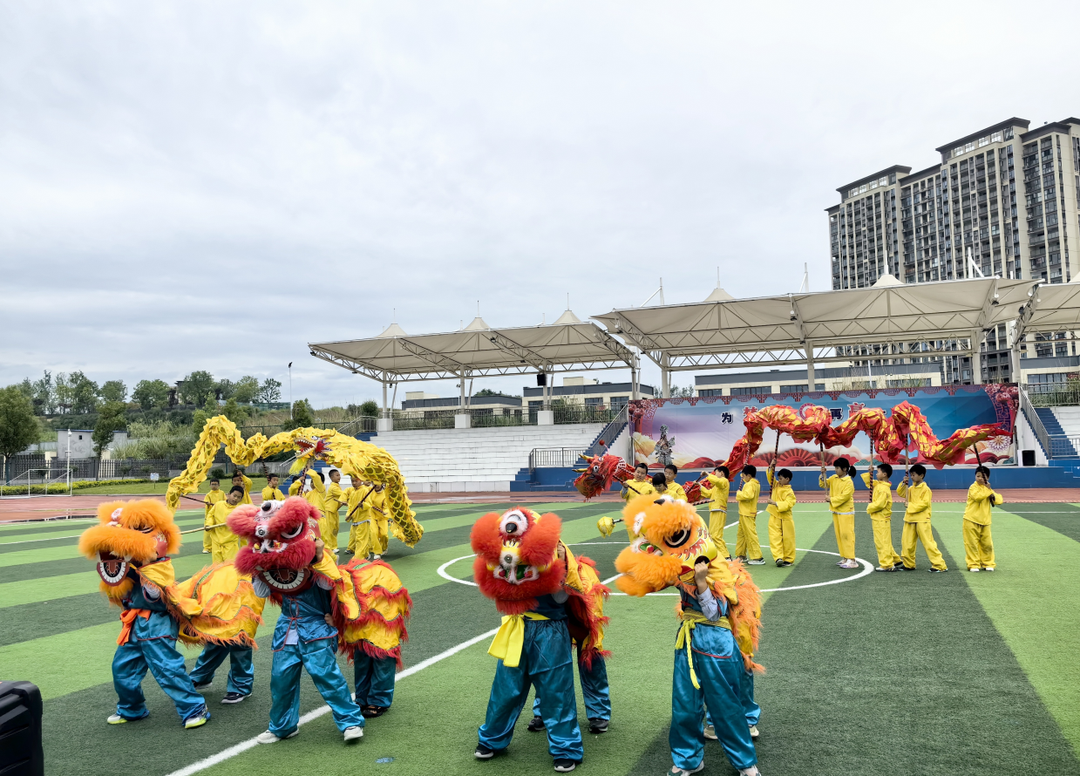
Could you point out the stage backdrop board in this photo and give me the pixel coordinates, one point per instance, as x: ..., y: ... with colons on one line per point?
x: 698, y: 433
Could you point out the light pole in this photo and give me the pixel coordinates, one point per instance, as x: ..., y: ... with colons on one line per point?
x: 290, y: 392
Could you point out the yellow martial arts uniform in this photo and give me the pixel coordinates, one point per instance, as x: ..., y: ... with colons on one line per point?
x: 978, y: 545
x: 376, y: 537
x: 272, y: 494
x: 676, y: 491
x: 635, y: 489
x: 212, y: 498
x: 781, y: 524
x: 746, y: 538
x: 880, y: 511
x: 717, y: 488
x: 842, y: 504
x: 247, y: 490
x: 353, y: 516
x: 332, y: 501
x: 920, y: 506
x: 224, y: 544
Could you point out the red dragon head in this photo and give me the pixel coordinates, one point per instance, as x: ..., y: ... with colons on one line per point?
x: 281, y: 542
x: 599, y: 472
x: 515, y: 558
x: 129, y: 533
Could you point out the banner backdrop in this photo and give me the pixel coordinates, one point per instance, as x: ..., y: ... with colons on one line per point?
x: 698, y: 433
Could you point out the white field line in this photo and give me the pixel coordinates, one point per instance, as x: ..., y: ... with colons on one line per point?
x: 243, y: 746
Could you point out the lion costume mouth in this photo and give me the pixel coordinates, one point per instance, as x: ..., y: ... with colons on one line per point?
x: 112, y: 569
x: 287, y: 580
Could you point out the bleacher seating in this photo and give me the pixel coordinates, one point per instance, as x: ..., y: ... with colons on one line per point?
x: 476, y: 459
x: 1064, y: 424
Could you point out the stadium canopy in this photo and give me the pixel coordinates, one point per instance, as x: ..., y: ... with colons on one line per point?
x: 890, y: 318
x: 478, y: 350
x: 1052, y: 308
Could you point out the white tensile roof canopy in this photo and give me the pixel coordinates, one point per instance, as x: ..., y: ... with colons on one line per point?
x: 1052, y: 308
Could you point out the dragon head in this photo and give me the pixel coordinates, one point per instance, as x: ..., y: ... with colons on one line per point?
x: 129, y: 534
x: 309, y: 447
x: 599, y: 472
x: 281, y: 539
x: 672, y: 539
x: 515, y: 558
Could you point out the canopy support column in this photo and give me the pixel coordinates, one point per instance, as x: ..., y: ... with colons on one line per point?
x: 976, y: 357
x: 811, y: 380
x: 665, y: 378
x: 386, y: 422
x: 462, y: 419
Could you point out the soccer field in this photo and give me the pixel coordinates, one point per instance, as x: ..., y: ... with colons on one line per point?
x: 867, y: 673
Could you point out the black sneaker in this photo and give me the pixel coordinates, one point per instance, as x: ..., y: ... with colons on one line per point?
x: 563, y: 765
x: 906, y: 568
x: 933, y: 570
x: 232, y: 697
x: 483, y: 753
x: 597, y: 726
x: 779, y: 563
x: 785, y: 564
x: 203, y: 685
x: 536, y: 724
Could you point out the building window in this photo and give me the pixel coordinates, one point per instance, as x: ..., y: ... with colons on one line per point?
x: 618, y: 402
x: 801, y: 387
x: 909, y: 382
x: 751, y: 390
x: 536, y: 405
x: 594, y: 401
x: 711, y: 392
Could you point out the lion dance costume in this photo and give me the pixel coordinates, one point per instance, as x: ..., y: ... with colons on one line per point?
x: 131, y: 545
x: 717, y: 636
x: 365, y: 601
x: 545, y: 604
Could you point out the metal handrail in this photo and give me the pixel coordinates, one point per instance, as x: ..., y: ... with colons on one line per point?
x: 610, y: 432
x: 553, y: 457
x: 1034, y: 421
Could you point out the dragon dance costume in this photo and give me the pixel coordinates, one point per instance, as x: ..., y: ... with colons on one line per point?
x: 718, y: 630
x: 131, y: 546
x: 545, y: 606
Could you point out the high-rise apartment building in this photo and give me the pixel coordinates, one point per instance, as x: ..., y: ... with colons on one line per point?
x: 1003, y: 201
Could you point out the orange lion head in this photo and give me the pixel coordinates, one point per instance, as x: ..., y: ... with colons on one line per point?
x: 672, y: 538
x: 129, y: 534
x: 515, y: 554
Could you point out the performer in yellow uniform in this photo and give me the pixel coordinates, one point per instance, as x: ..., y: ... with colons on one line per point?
x: 880, y: 511
x: 920, y: 506
x: 215, y: 495
x: 272, y: 492
x: 781, y: 525
x: 354, y: 510
x: 372, y: 535
x: 717, y: 486
x: 223, y: 541
x: 641, y: 485
x: 242, y: 481
x: 978, y: 545
x: 333, y: 500
x: 747, y: 546
x: 674, y: 489
x: 842, y: 504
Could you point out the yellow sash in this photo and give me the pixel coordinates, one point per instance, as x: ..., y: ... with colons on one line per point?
x: 691, y: 618
x: 510, y: 639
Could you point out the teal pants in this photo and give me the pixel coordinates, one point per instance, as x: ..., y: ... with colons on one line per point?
x: 595, y: 689
x: 374, y: 680
x: 241, y: 672
x: 319, y: 660
x: 159, y: 656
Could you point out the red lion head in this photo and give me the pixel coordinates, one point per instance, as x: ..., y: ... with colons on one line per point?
x: 281, y: 542
x: 515, y: 554
x: 600, y: 471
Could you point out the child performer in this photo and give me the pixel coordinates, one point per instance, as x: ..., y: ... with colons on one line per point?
x: 224, y: 545
x: 978, y: 545
x: 215, y: 495
x: 781, y: 525
x: 355, y: 512
x: 332, y: 503
x: 641, y: 485
x: 880, y: 511
x: 842, y: 504
x: 242, y: 481
x: 272, y: 492
x: 747, y: 546
x: 378, y: 528
x: 920, y: 506
x: 718, y: 487
x: 674, y: 489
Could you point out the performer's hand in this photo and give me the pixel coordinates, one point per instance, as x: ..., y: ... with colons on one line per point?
x: 560, y: 551
x: 904, y: 481
x: 319, y: 545
x: 771, y: 503
x: 701, y: 575
x: 329, y: 620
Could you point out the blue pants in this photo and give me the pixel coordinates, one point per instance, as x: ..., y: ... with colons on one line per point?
x: 159, y: 655
x: 594, y: 686
x: 746, y: 695
x: 318, y: 659
x: 547, y: 662
x: 720, y: 672
x: 241, y: 671
x: 374, y: 680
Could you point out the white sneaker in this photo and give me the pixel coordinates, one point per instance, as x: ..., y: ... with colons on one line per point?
x: 973, y: 569
x: 376, y: 557
x: 751, y: 771
x: 267, y: 737
x: 756, y: 562
x: 353, y: 733
x: 988, y: 568
x: 754, y: 732
x: 710, y: 732
x: 676, y: 771
x: 116, y: 719
x: 849, y: 564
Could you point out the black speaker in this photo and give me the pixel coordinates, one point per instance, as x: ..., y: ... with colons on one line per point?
x: 1027, y: 457
x: 20, y: 730
x: 541, y: 379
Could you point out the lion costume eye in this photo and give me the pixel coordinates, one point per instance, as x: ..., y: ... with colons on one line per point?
x: 677, y: 539
x: 293, y: 533
x: 514, y: 523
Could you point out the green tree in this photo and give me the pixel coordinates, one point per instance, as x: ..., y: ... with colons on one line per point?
x: 44, y: 401
x: 62, y: 391
x: 109, y: 420
x: 84, y: 394
x: 269, y: 392
x: 225, y: 389
x: 197, y: 387
x: 486, y: 392
x: 234, y: 412
x: 209, y: 410
x: 151, y: 394
x: 18, y: 427
x: 114, y: 391
x: 302, y: 416
x: 247, y: 387
x: 370, y: 409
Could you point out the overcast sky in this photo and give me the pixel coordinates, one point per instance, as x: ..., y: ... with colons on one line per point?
x: 213, y: 185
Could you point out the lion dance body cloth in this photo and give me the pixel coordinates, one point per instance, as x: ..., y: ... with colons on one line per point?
x: 548, y: 599
x: 718, y: 632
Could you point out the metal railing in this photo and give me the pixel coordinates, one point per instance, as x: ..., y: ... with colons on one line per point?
x: 610, y: 432
x: 553, y: 457
x: 1063, y: 446
x: 1053, y: 394
x: 1034, y: 421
